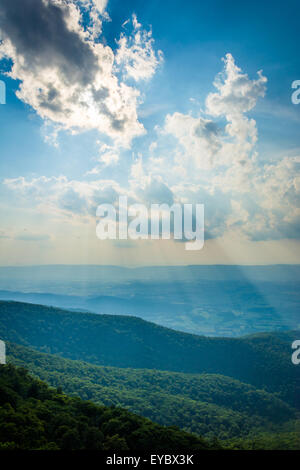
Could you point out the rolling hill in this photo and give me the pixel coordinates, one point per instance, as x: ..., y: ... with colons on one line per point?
x: 262, y: 360
x: 207, y: 404
x: 35, y: 417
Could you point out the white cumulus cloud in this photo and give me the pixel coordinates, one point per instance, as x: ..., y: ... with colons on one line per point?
x: 136, y: 54
x: 66, y: 75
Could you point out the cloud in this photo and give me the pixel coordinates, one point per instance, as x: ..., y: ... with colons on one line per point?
x: 198, y: 137
x: 205, y: 143
x: 61, y: 197
x: 136, y: 55
x: 39, y: 35
x: 66, y: 74
x: 100, y: 5
x: 210, y: 158
x: 109, y: 155
x: 72, y: 201
x: 155, y: 192
x: 217, y: 164
x: 236, y: 94
x: 278, y: 208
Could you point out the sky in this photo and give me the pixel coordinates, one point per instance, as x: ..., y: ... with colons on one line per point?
x: 162, y: 102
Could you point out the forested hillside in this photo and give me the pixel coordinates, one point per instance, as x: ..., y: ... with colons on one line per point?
x: 263, y: 360
x: 33, y: 416
x: 208, y: 404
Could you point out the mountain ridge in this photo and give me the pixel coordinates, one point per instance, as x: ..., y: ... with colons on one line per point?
x: 199, y: 403
x: 262, y: 360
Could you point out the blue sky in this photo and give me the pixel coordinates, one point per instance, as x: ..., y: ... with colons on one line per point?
x: 57, y: 164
